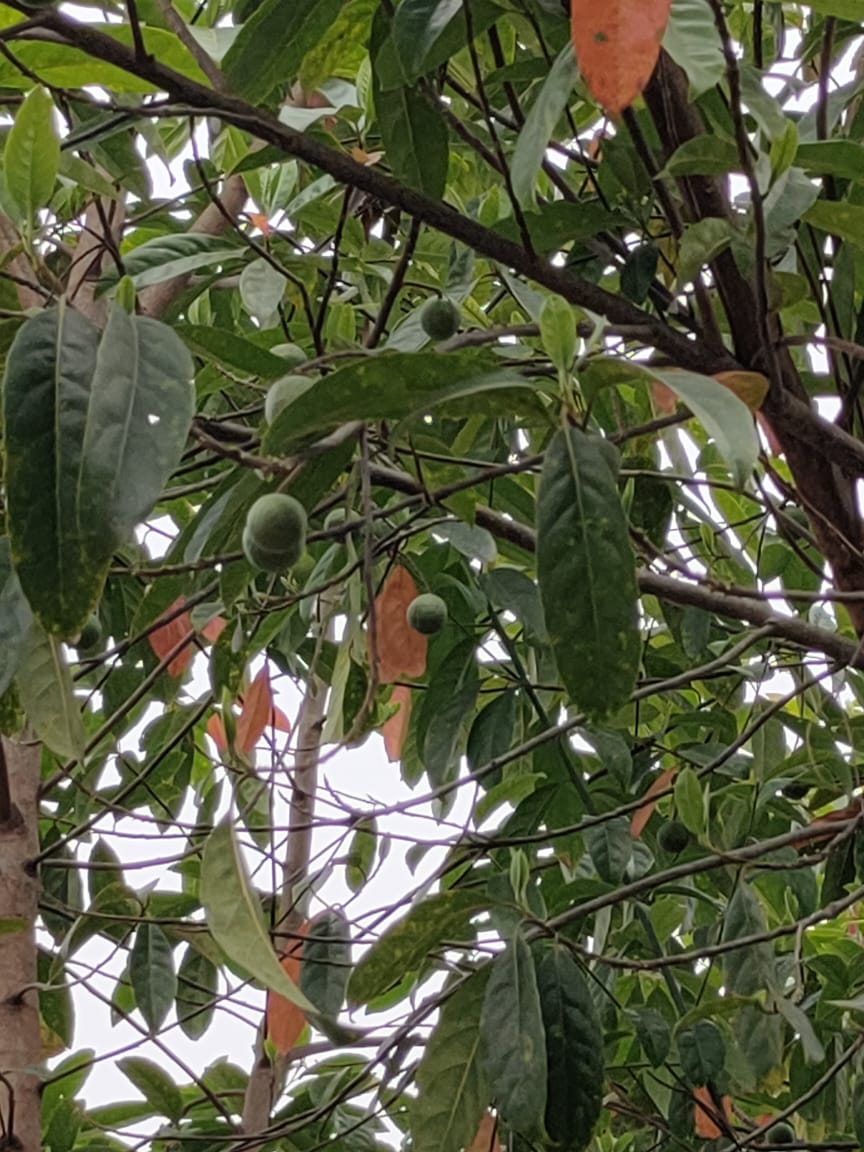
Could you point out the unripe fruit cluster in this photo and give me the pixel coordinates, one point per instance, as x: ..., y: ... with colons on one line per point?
x: 274, y: 536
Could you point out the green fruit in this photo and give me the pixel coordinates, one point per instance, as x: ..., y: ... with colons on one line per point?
x: 796, y: 790
x: 284, y: 392
x: 292, y: 354
x: 274, y: 536
x: 673, y: 837
x: 427, y: 613
x: 90, y: 636
x: 781, y: 1133
x: 440, y: 319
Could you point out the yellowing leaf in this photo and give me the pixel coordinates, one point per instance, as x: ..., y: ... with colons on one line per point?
x: 285, y: 1020
x: 643, y: 814
x: 486, y: 1139
x: 707, y: 1120
x: 751, y: 387
x: 617, y: 44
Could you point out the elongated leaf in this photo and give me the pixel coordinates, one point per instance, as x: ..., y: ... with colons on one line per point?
x: 141, y: 405
x: 750, y: 968
x: 403, y: 948
x: 197, y: 987
x: 839, y: 219
x: 844, y: 158
x: 326, y: 962
x: 15, y: 617
x: 724, y: 417
x: 574, y: 1049
x: 232, y: 351
x: 415, y: 139
x: 617, y: 49
x: 234, y: 916
x: 32, y: 154
x: 271, y: 45
x: 157, y: 1088
x: 691, y: 40
x: 587, y: 573
x: 151, y: 971
x: 452, y: 1091
x: 45, y: 688
x: 392, y: 386
x: 702, y: 1052
x: 170, y: 256
x: 444, y: 707
x: 514, y: 1042
x: 48, y: 370
x: 416, y: 27
x: 539, y: 125
x: 361, y: 854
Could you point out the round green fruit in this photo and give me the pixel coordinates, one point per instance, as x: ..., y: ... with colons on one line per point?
x: 91, y: 634
x: 292, y: 354
x: 796, y: 790
x: 781, y: 1133
x: 284, y: 392
x: 427, y: 613
x: 274, y: 536
x: 673, y: 837
x: 440, y: 319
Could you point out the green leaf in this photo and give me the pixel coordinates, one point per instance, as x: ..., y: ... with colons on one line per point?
x: 404, y: 947
x: 587, y: 573
x: 702, y: 1052
x: 15, y: 617
x: 610, y: 847
x: 162, y: 259
x: 838, y: 218
x: 151, y: 971
x: 271, y: 45
x: 546, y: 111
x: 443, y: 710
x: 513, y: 1041
x: 843, y: 158
x: 654, y: 1035
x: 361, y: 854
x: 690, y: 801
x: 229, y: 350
x: 326, y: 962
x: 417, y: 25
x: 452, y: 1093
x: 692, y: 42
x: 558, y: 332
x: 32, y: 154
x: 701, y: 243
x: 726, y: 419
x: 858, y: 1109
x: 105, y: 868
x: 393, y: 386
x: 750, y: 968
x: 414, y: 137
x: 157, y: 1088
x: 197, y: 990
x: 799, y: 1022
x: 704, y: 156
x: 45, y: 689
x: 234, y: 916
x: 574, y: 1049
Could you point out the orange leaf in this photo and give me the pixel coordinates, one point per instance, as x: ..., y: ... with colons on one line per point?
x: 216, y: 732
x: 214, y: 628
x: 665, y: 400
x: 285, y: 1021
x: 260, y: 221
x: 705, y: 1115
x: 751, y: 387
x: 643, y: 813
x: 401, y: 651
x: 166, y: 637
x: 395, y: 727
x: 486, y: 1139
x: 617, y: 44
x: 256, y: 714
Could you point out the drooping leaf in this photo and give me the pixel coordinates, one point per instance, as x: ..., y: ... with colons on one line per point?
x: 154, y: 1084
x: 197, y: 988
x: 587, y: 573
x: 750, y: 968
x: 610, y: 846
x: 416, y: 26
x: 45, y: 689
x: 724, y: 417
x: 32, y: 154
x: 361, y: 853
x: 285, y: 1018
x: 513, y: 1041
x: 415, y: 138
x: 691, y: 40
x: 702, y: 1052
x: 452, y: 1091
x: 151, y: 970
x: 399, y: 648
x: 326, y: 962
x: 402, y: 948
x: 165, y: 257
x: 539, y: 125
x: 234, y: 915
x: 574, y: 1049
x: 15, y: 617
x: 617, y: 45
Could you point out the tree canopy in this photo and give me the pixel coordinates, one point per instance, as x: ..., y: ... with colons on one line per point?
x: 385, y: 373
